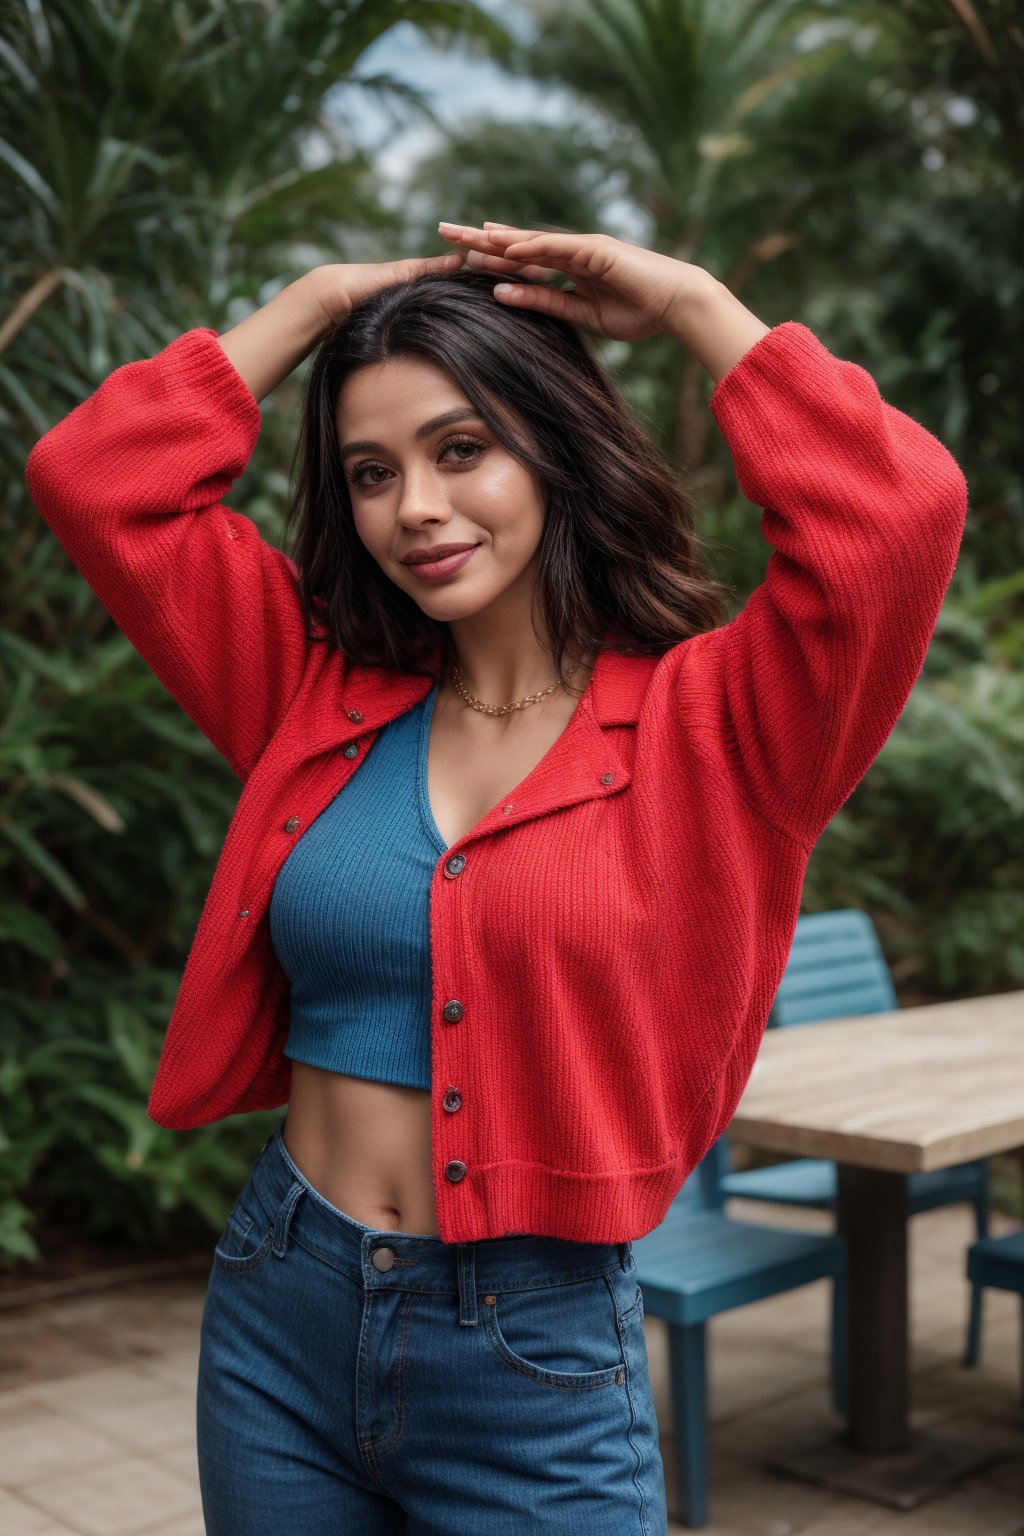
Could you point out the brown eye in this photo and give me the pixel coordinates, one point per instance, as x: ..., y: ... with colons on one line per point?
x: 464, y: 442
x: 363, y: 474
x: 368, y: 466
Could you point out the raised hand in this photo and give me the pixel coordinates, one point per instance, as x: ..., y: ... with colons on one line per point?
x: 619, y: 290
x: 342, y: 284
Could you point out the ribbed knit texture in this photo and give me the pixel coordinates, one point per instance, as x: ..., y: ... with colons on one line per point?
x: 622, y: 919
x: 350, y: 916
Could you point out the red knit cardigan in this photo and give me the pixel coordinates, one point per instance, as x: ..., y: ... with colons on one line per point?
x: 615, y: 929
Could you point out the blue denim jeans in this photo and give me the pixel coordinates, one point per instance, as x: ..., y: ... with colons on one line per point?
x: 355, y: 1382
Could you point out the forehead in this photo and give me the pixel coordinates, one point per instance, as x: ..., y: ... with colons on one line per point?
x: 394, y: 393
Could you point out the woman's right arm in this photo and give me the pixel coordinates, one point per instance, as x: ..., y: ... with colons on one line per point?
x: 131, y: 482
x: 267, y: 345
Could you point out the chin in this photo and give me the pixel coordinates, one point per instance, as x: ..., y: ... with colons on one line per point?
x: 460, y: 607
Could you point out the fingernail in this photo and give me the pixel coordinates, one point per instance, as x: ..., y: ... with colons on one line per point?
x: 443, y: 225
x: 507, y: 290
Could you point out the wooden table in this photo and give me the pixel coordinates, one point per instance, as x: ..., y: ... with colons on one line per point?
x: 885, y: 1095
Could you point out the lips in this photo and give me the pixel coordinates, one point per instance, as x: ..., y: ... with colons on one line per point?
x: 436, y: 552
x: 443, y: 567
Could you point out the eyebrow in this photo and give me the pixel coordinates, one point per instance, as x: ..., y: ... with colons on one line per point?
x: 460, y: 413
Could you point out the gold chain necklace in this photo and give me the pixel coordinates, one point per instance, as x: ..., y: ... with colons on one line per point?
x: 502, y: 709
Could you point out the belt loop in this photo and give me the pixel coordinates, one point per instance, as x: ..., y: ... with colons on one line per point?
x: 624, y: 1249
x: 283, y: 1220
x: 466, y: 1261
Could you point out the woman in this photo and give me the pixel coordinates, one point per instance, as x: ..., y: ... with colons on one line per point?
x: 514, y: 874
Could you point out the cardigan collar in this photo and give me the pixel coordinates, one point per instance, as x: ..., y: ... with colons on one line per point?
x: 586, y: 762
x: 615, y: 689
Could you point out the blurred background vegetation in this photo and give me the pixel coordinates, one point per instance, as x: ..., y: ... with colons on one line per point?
x: 856, y: 166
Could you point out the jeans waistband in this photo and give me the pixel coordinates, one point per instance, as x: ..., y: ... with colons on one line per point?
x: 416, y: 1261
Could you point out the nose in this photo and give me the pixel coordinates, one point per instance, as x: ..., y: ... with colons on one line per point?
x: 424, y: 498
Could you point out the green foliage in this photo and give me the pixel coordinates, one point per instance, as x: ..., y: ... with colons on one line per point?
x: 74, y: 1081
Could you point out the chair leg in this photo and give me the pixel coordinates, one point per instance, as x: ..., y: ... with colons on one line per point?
x: 981, y: 1209
x: 687, y: 1385
x: 840, y: 1343
x: 974, y: 1325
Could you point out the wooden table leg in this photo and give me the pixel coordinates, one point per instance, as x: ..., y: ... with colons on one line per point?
x: 880, y: 1456
x: 871, y: 1213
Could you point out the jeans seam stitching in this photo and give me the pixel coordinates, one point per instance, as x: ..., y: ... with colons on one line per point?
x: 380, y: 1446
x: 644, y: 1524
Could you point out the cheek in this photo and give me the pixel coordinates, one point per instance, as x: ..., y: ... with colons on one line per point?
x: 369, y: 530
x: 509, y: 505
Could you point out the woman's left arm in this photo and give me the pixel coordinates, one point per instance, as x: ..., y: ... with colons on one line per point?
x: 863, y: 508
x: 713, y: 324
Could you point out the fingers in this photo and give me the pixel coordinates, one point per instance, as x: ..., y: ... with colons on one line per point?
x: 563, y: 252
x: 415, y: 266
x: 492, y: 239
x: 546, y: 301
x: 469, y: 237
x: 479, y: 262
x: 479, y: 256
x: 505, y: 235
x: 503, y: 264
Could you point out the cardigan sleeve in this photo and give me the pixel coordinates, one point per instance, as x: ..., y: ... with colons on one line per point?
x: 130, y: 482
x: 864, y: 510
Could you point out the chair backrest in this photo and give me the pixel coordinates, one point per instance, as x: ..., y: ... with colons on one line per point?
x: 835, y: 968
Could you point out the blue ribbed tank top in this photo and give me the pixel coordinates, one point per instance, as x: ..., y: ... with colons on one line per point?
x: 350, y: 916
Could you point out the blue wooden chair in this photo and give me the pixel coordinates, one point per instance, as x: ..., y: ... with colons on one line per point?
x: 836, y: 969
x: 699, y: 1262
x: 998, y: 1262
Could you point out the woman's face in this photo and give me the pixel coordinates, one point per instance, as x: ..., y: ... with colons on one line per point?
x: 417, y: 482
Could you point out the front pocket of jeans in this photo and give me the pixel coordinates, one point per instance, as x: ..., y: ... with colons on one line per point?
x: 558, y: 1335
x: 246, y: 1239
x: 635, y: 1313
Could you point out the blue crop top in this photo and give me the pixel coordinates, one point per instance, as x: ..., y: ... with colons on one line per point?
x: 350, y: 916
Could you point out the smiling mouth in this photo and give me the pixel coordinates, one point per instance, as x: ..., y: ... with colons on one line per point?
x: 436, y: 570
x: 442, y: 553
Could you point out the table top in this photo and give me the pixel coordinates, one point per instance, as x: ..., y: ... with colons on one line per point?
x: 910, y: 1090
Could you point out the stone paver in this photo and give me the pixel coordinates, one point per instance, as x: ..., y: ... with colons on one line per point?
x: 115, y: 1498
x: 20, y: 1519
x: 97, y: 1406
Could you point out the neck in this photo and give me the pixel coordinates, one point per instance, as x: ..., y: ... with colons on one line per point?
x: 502, y: 666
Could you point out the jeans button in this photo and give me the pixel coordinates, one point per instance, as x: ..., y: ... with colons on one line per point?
x: 383, y: 1258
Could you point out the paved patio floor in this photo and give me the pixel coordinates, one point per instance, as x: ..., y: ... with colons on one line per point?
x: 97, y: 1433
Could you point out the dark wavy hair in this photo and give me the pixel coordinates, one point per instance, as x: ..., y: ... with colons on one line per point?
x: 620, y: 562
